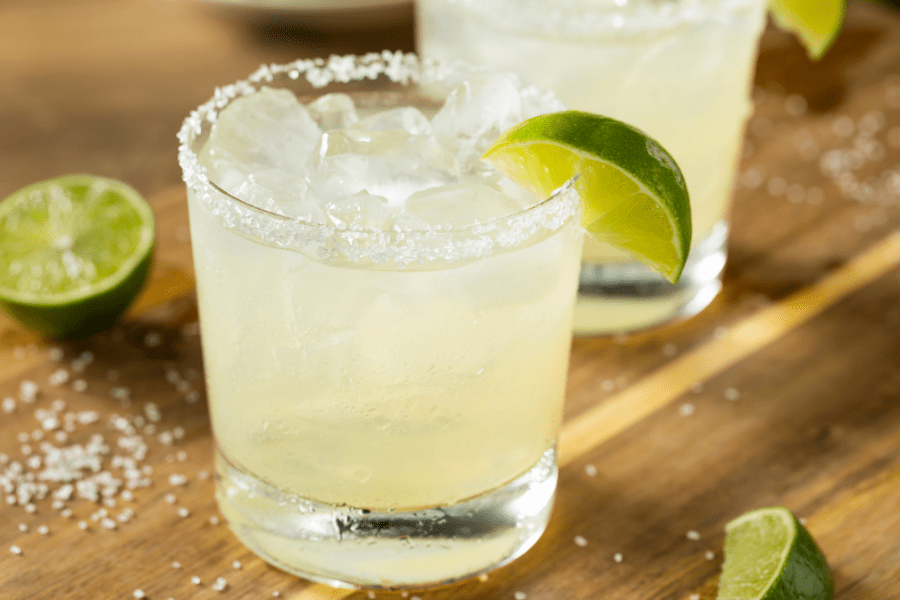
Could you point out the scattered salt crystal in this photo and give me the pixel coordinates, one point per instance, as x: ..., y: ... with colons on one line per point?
x: 732, y: 394
x: 15, y: 549
x: 591, y: 470
x: 177, y: 479
x: 55, y: 354
x: 176, y: 565
x: 195, y: 580
x: 693, y: 535
x: 170, y: 498
x: 694, y: 597
x: 139, y: 593
x: 618, y: 557
x: 9, y: 405
x: 28, y: 391
x: 795, y: 105
x: 580, y: 541
x: 236, y: 564
x: 709, y: 555
x: 43, y: 529
x: 79, y: 385
x: 220, y: 584
x: 183, y: 512
x: 843, y: 126
x: 152, y: 340
x: 752, y: 178
x: 152, y: 411
x: 776, y: 186
x: 686, y: 409
x: 58, y: 377
x: 214, y: 520
x: 23, y: 527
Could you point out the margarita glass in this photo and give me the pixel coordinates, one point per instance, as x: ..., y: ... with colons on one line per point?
x: 385, y: 319
x: 678, y: 69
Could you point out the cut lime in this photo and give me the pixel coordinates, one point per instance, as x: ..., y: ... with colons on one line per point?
x: 769, y: 555
x: 74, y: 252
x: 815, y: 22
x: 633, y: 193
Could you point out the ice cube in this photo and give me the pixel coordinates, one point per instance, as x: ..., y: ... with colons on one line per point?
x: 362, y: 211
x: 281, y: 193
x: 406, y: 118
x: 266, y: 130
x: 456, y: 205
x: 392, y: 164
x: 480, y: 109
x: 333, y: 111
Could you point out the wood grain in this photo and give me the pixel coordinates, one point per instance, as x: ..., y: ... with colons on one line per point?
x: 785, y: 391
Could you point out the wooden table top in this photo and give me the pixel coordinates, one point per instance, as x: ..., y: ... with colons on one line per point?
x: 785, y: 391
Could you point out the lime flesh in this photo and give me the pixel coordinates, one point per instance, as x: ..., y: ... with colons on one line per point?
x: 74, y: 253
x: 633, y: 192
x: 815, y: 22
x: 769, y: 555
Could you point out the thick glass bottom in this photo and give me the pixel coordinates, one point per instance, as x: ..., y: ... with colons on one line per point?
x: 628, y: 296
x: 359, y: 548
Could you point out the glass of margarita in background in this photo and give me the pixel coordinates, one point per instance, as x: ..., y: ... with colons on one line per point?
x: 385, y: 319
x: 678, y: 69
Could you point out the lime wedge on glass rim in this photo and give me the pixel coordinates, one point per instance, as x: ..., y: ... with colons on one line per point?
x: 769, y: 555
x: 74, y: 252
x: 633, y: 192
x: 815, y: 22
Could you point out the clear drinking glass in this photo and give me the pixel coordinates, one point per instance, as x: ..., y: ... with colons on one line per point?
x: 385, y: 402
x: 678, y: 69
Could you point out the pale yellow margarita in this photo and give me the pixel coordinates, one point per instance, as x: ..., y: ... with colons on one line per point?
x: 385, y: 318
x: 678, y: 69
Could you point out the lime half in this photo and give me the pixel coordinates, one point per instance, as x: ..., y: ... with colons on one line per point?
x: 633, y: 193
x: 74, y: 253
x: 815, y: 22
x: 769, y: 555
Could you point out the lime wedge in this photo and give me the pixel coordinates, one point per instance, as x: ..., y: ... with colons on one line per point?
x: 74, y: 252
x: 633, y: 193
x: 815, y: 22
x: 770, y: 556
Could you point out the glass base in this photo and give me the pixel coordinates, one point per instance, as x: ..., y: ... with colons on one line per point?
x: 358, y: 548
x: 622, y: 297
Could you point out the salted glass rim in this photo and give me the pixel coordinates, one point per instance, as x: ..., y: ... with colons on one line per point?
x: 331, y: 241
x: 609, y: 18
